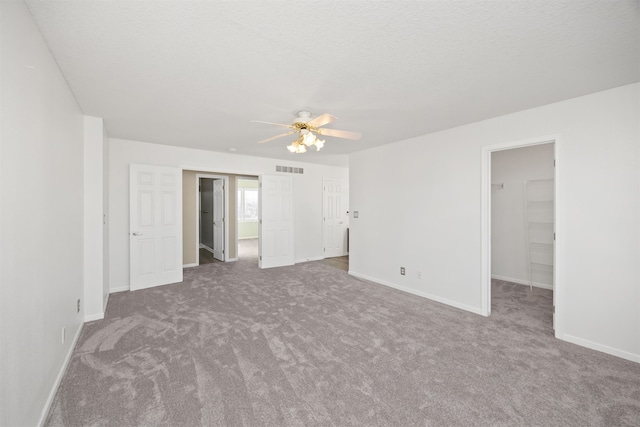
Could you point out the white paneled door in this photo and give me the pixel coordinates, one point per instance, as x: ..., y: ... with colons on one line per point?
x: 206, y: 212
x: 276, y: 221
x: 335, y: 217
x: 218, y: 219
x: 155, y: 221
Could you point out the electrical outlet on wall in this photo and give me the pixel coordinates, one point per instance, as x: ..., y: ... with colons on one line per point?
x: 78, y: 305
x: 419, y: 274
x: 64, y: 333
x: 402, y: 272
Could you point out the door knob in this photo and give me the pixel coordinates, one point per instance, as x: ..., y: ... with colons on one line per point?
x: 136, y: 233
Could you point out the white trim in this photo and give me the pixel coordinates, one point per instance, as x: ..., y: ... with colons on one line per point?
x: 193, y: 264
x: 435, y: 298
x: 599, y: 347
x: 227, y: 188
x: 558, y: 247
x: 119, y: 289
x: 522, y: 282
x: 236, y: 241
x: 92, y: 317
x: 106, y: 301
x: 218, y: 171
x: 485, y: 233
x: 58, y: 380
x: 485, y: 227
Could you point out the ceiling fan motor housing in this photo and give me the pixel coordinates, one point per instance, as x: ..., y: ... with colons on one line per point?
x: 303, y: 116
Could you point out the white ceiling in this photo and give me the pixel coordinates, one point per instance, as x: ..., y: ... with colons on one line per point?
x: 194, y: 73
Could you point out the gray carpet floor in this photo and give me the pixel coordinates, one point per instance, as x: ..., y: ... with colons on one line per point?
x: 309, y: 345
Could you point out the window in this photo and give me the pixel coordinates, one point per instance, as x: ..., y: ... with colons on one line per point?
x: 247, y: 204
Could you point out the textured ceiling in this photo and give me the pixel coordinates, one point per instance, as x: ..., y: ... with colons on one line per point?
x: 194, y: 73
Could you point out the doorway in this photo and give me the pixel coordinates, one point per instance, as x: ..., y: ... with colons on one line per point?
x: 212, y: 234
x: 335, y: 217
x: 248, y: 209
x: 275, y: 223
x: 522, y: 226
x: 519, y: 227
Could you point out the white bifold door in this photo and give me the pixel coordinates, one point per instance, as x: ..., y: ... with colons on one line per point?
x: 155, y: 221
x: 275, y: 227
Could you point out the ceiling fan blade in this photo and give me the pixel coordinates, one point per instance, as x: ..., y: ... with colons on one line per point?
x: 339, y: 133
x: 271, y: 123
x: 275, y: 137
x: 321, y: 120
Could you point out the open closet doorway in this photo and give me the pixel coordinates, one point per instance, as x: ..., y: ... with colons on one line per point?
x: 213, y: 231
x: 520, y: 237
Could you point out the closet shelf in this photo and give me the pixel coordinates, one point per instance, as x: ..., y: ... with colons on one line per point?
x: 541, y: 266
x: 541, y: 245
x: 539, y: 221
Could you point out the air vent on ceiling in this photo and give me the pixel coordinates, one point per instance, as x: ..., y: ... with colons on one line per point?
x: 289, y: 169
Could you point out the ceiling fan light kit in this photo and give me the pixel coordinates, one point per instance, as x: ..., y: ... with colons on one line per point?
x: 307, y: 130
x: 300, y: 145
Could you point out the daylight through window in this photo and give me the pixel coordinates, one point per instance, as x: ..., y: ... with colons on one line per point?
x: 248, y: 204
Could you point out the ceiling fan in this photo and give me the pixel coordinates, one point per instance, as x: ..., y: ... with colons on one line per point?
x: 307, y: 128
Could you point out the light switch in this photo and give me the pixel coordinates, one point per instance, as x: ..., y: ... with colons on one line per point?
x: 355, y: 214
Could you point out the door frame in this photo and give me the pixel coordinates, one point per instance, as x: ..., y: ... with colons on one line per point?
x: 558, y: 280
x: 226, y: 213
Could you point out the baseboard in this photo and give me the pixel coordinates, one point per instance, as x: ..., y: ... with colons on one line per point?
x: 97, y: 316
x: 247, y: 238
x: 600, y: 347
x: 475, y: 310
x: 231, y: 259
x: 58, y: 380
x: 336, y: 256
x: 522, y: 282
x: 193, y: 264
x: 92, y: 317
x: 119, y: 289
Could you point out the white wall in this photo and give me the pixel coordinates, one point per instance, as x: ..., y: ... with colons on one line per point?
x: 93, y: 227
x: 437, y: 179
x: 307, y: 193
x: 508, y: 232
x: 41, y: 179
